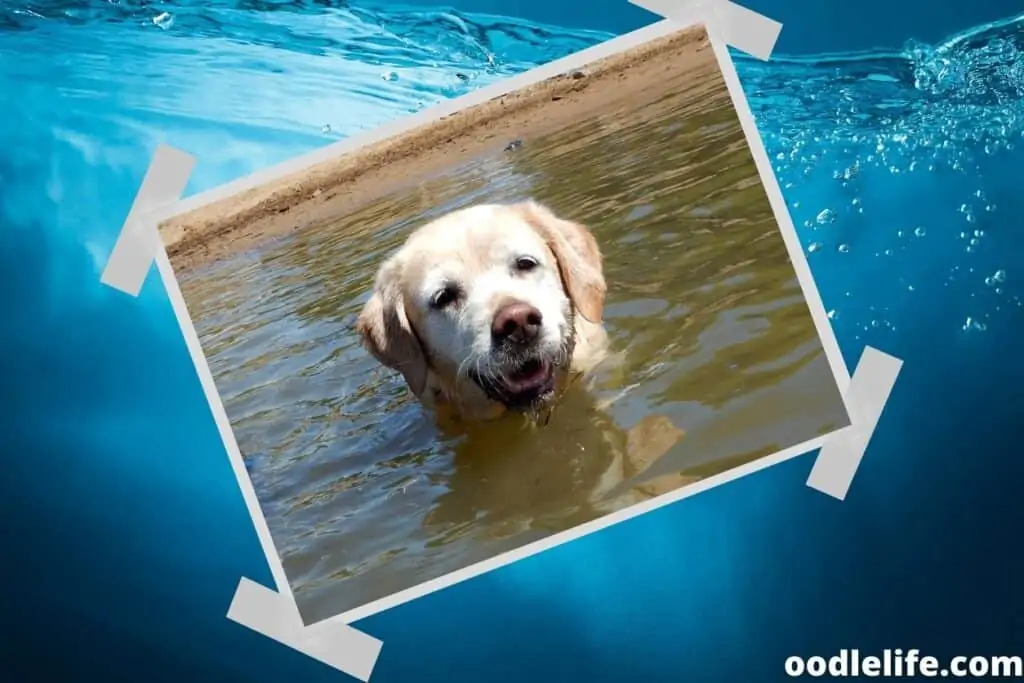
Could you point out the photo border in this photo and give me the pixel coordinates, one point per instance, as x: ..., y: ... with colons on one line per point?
x: 332, y: 640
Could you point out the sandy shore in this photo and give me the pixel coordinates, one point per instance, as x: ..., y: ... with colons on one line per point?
x: 338, y: 186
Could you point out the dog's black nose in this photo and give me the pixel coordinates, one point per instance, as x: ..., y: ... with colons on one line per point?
x: 518, y: 323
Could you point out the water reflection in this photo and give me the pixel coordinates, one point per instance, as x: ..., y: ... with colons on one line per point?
x: 365, y: 494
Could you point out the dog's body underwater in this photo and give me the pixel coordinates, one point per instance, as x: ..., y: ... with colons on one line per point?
x: 489, y: 308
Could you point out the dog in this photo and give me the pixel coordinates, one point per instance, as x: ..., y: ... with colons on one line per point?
x: 496, y: 308
x: 489, y: 309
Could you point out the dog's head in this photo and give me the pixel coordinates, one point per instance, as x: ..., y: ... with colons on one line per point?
x: 485, y: 299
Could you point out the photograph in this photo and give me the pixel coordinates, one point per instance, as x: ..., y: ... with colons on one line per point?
x: 536, y: 312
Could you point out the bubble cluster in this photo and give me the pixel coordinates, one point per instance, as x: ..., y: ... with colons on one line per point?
x: 875, y: 150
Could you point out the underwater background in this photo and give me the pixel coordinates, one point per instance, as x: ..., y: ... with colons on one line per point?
x: 900, y: 155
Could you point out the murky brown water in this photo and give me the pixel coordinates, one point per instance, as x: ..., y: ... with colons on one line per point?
x: 365, y: 495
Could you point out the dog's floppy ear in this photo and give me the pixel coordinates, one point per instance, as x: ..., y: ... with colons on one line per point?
x: 578, y: 256
x: 387, y: 333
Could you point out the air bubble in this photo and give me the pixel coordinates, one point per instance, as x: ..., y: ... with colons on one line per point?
x: 826, y: 216
x: 919, y: 231
x: 164, y: 20
x: 843, y: 248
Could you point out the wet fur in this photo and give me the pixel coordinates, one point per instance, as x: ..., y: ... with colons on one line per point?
x: 442, y: 355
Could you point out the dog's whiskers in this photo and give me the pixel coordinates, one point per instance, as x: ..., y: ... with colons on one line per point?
x: 484, y: 370
x: 495, y: 374
x: 460, y: 377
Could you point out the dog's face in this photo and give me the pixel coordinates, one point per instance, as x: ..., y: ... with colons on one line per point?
x: 485, y: 300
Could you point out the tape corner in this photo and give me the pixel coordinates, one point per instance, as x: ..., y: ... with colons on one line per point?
x: 275, y: 616
x: 867, y: 395
x: 167, y: 153
x: 139, y: 241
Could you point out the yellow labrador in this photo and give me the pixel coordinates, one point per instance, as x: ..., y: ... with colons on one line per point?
x: 489, y: 308
x: 493, y: 308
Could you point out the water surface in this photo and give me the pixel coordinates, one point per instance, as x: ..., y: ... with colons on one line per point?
x: 366, y: 495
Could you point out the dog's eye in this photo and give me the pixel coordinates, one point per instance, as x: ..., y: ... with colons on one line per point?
x: 444, y: 297
x: 526, y: 263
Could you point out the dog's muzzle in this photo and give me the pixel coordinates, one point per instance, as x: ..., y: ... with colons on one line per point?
x: 520, y: 375
x: 521, y: 383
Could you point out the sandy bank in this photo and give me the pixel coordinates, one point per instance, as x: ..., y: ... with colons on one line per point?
x: 334, y: 187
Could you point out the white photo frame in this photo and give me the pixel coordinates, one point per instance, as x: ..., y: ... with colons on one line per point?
x: 333, y: 641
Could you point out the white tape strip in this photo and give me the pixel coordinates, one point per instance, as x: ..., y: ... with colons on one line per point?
x: 869, y: 390
x: 738, y: 26
x: 139, y: 240
x: 276, y: 617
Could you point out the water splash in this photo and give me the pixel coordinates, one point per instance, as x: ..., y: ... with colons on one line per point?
x: 92, y: 86
x: 909, y: 159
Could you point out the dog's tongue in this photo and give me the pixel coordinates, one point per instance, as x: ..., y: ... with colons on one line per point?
x: 530, y: 376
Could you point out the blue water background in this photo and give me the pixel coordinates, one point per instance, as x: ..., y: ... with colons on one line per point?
x: 126, y: 534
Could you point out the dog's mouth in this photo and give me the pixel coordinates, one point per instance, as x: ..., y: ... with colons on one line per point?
x: 524, y: 384
x: 530, y: 376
